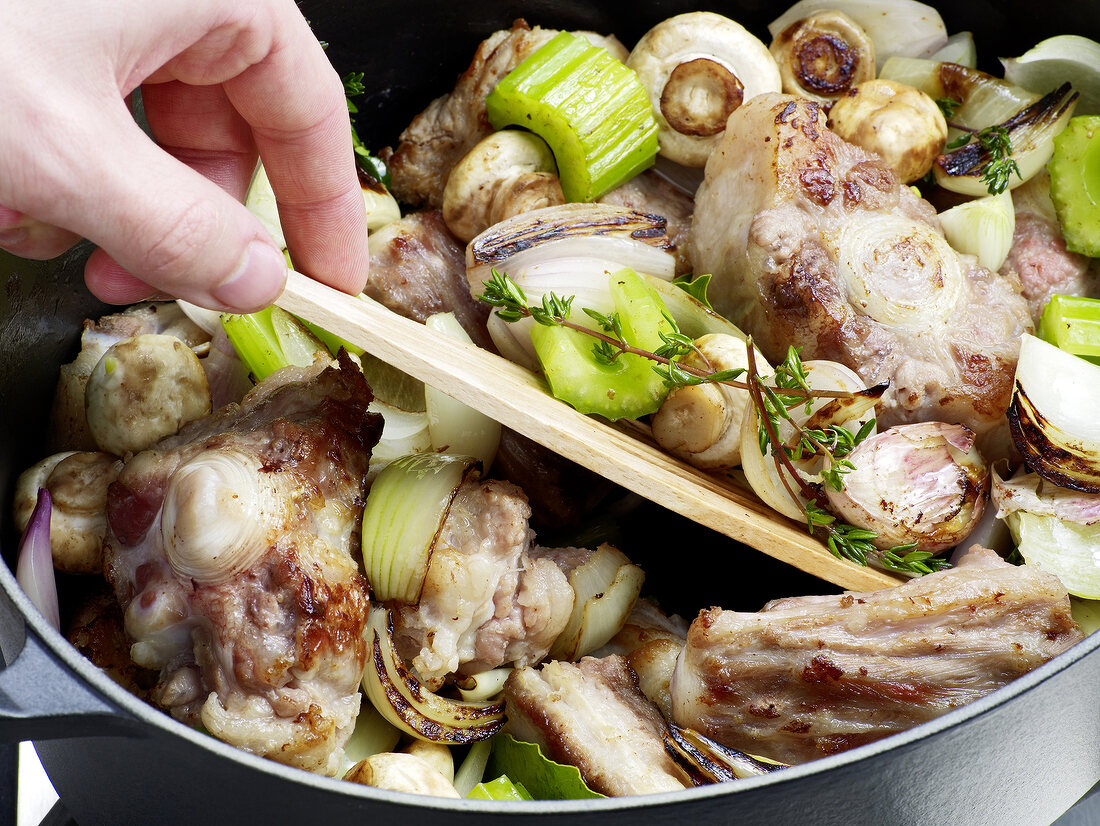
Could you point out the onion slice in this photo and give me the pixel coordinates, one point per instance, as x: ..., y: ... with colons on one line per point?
x: 408, y: 503
x: 456, y: 427
x: 34, y: 569
x: 606, y: 586
x: 409, y: 706
x: 1053, y: 415
x: 707, y: 761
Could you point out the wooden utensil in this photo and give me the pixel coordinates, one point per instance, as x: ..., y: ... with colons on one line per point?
x: 518, y: 398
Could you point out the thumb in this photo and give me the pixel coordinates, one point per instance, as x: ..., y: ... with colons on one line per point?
x: 171, y: 228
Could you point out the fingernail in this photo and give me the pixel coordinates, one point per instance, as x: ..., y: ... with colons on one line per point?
x: 257, y: 281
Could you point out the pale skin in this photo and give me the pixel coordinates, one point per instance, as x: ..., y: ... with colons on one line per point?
x: 221, y: 81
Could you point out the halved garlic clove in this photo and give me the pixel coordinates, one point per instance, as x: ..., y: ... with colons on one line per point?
x: 697, y: 68
x: 408, y: 705
x: 923, y: 483
x: 823, y: 55
x: 221, y: 514
x: 401, y: 772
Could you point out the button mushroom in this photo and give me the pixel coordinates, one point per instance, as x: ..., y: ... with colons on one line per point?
x: 697, y: 68
x: 78, y: 483
x: 822, y: 56
x: 401, y: 772
x: 505, y: 174
x: 701, y: 423
x: 898, y: 122
x: 144, y: 388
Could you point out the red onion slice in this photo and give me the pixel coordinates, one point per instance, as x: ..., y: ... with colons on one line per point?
x: 34, y: 570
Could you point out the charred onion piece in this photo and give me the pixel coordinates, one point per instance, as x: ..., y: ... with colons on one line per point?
x: 706, y: 761
x: 1030, y: 133
x: 409, y: 706
x: 1053, y: 415
x: 824, y: 55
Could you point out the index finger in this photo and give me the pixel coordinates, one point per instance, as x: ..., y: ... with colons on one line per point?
x: 294, y: 102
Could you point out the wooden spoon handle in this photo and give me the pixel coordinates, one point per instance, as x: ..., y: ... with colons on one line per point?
x: 518, y: 399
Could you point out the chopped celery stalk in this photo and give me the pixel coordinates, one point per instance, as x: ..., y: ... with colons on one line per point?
x: 627, y: 387
x: 255, y: 340
x: 300, y: 347
x: 1072, y: 323
x: 472, y: 768
x: 331, y: 341
x: 500, y: 789
x: 590, y: 108
x: 1075, y: 183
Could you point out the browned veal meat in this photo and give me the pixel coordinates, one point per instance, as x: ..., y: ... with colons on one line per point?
x: 96, y: 631
x: 418, y: 268
x: 654, y: 194
x: 1038, y: 256
x: 452, y: 124
x: 809, y: 677
x: 813, y: 242
x: 488, y: 597
x: 591, y: 715
x: 232, y: 550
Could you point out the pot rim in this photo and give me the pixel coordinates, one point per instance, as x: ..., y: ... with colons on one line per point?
x: 147, y: 714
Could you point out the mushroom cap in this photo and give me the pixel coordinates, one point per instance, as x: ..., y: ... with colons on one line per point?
x: 697, y: 68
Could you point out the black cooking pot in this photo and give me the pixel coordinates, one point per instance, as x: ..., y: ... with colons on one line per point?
x: 1020, y: 756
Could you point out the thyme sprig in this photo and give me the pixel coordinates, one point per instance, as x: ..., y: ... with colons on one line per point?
x: 790, y: 390
x: 996, y: 143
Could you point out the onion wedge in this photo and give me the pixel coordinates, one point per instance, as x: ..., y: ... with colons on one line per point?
x: 409, y: 706
x: 408, y: 502
x: 34, y: 570
x: 1053, y: 415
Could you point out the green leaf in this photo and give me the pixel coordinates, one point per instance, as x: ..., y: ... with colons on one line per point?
x: 695, y: 287
x: 544, y: 779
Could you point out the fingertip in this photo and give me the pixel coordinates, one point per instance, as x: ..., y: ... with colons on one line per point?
x: 111, y: 283
x: 256, y: 282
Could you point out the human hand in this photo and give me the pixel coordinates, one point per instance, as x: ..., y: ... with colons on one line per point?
x: 220, y: 80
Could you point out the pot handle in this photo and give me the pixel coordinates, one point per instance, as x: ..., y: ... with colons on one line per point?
x: 41, y: 698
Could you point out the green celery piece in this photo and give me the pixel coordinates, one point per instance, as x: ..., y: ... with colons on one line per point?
x: 253, y: 337
x: 590, y: 108
x: 628, y: 387
x: 1075, y: 183
x: 541, y: 777
x: 1072, y: 323
x: 499, y: 789
x: 331, y: 341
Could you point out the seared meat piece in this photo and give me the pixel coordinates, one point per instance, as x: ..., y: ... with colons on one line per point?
x: 96, y: 631
x: 654, y: 194
x: 809, y: 677
x: 452, y: 124
x: 418, y: 268
x: 487, y: 599
x: 232, y: 548
x: 68, y: 426
x: 1038, y: 256
x: 813, y: 242
x: 651, y: 641
x: 591, y: 715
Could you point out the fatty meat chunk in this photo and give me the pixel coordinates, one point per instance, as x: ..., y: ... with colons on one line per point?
x: 592, y: 715
x: 813, y: 242
x: 811, y: 676
x: 233, y: 549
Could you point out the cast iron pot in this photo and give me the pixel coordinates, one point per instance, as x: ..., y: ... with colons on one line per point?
x: 1020, y: 756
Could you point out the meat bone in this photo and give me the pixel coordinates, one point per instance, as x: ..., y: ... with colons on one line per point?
x: 518, y: 398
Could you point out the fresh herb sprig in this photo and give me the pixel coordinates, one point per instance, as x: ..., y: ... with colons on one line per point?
x: 774, y: 403
x: 372, y: 165
x: 996, y: 143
